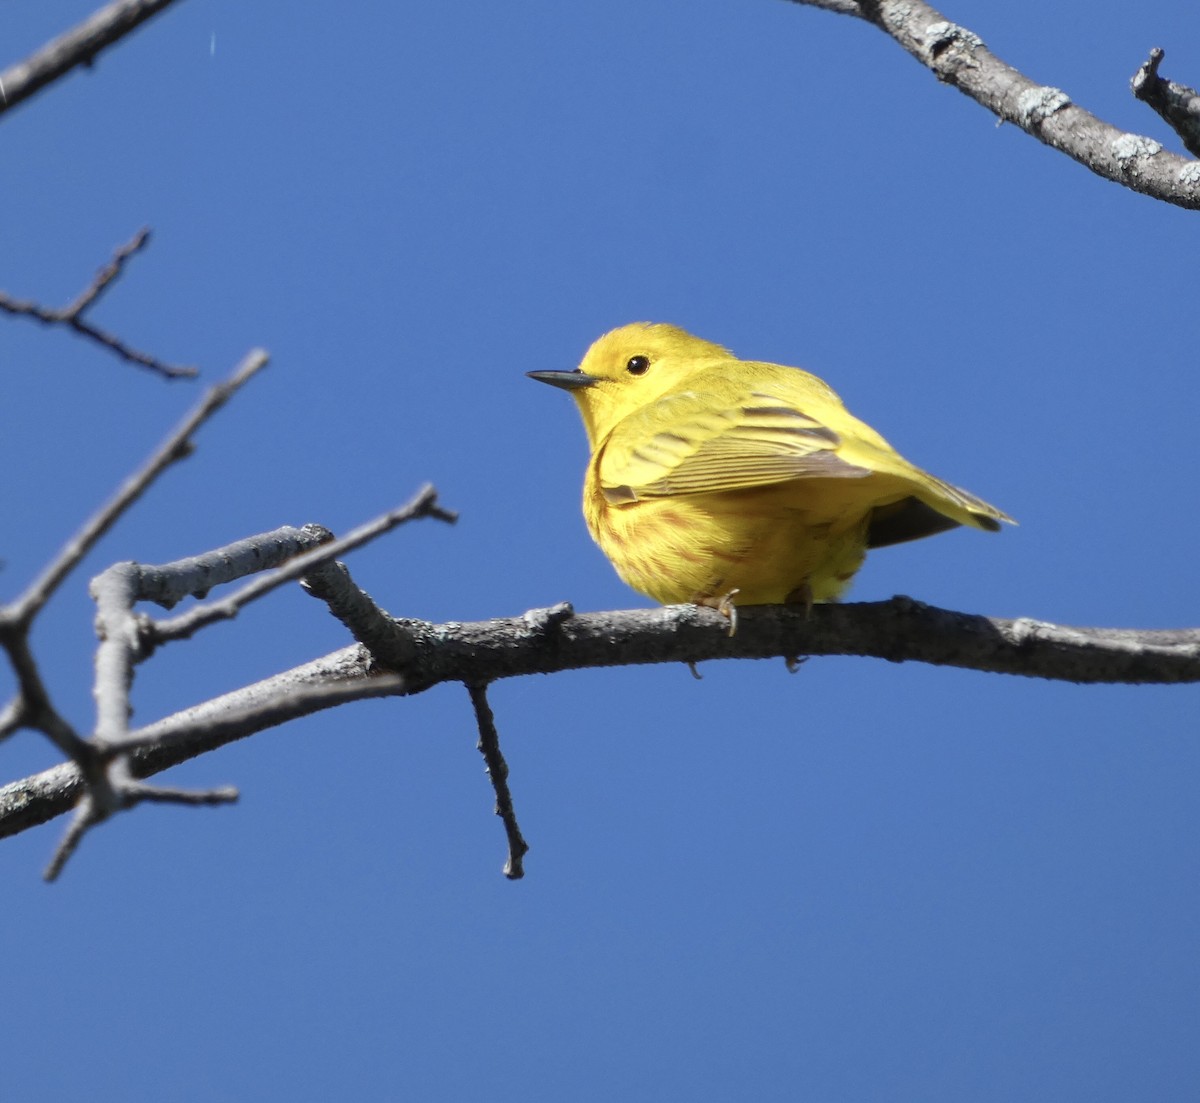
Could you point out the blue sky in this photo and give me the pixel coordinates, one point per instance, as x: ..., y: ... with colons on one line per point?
x: 864, y: 881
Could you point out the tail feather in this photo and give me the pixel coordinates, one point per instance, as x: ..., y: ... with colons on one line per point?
x: 942, y: 506
x: 970, y: 510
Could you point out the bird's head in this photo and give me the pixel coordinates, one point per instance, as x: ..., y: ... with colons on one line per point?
x: 629, y: 368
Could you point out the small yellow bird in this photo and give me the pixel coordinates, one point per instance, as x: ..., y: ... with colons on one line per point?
x: 713, y: 477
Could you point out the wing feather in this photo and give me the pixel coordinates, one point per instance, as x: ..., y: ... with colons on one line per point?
x: 698, y: 443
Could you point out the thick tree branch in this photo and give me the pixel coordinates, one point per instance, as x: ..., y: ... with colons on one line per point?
x: 957, y: 56
x: 78, y: 46
x: 1177, y: 104
x: 194, y: 576
x: 337, y: 679
x: 899, y: 630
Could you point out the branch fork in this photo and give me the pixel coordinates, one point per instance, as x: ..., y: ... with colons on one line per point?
x: 72, y: 315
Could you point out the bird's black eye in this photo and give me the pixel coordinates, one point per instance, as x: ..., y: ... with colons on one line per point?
x: 638, y: 365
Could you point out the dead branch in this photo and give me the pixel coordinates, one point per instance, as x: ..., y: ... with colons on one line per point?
x: 425, y: 654
x: 497, y: 772
x: 957, y: 56
x: 128, y: 638
x: 31, y: 708
x: 79, y: 46
x: 1177, y: 104
x: 72, y: 315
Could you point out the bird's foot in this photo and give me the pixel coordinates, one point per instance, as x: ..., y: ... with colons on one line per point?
x: 723, y: 605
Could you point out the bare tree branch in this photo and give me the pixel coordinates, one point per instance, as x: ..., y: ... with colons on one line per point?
x: 1178, y: 104
x: 78, y: 46
x: 32, y: 707
x: 397, y: 657
x: 424, y: 504
x: 72, y: 317
x: 101, y: 801
x: 85, y: 818
x: 126, y: 639
x: 899, y: 630
x: 497, y: 771
x: 336, y: 679
x: 958, y: 57
x: 355, y: 608
x: 176, y: 447
x: 99, y: 765
x: 194, y: 576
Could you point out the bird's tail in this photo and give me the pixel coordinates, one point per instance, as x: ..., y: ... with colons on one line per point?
x: 934, y: 507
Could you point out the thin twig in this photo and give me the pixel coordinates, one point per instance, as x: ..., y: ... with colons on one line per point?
x: 89, y: 813
x: 115, y: 791
x: 79, y: 46
x: 32, y: 707
x: 153, y: 794
x: 85, y: 818
x: 175, y: 448
x: 424, y: 504
x: 106, y: 276
x: 497, y: 771
x: 12, y: 717
x: 72, y: 317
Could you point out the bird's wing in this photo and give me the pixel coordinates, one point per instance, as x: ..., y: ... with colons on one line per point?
x: 696, y: 442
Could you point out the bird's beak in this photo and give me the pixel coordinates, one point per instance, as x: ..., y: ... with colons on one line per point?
x: 567, y: 380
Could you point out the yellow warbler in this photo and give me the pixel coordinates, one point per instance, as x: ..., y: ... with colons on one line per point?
x: 712, y: 477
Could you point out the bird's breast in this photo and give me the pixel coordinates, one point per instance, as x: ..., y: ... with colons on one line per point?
x: 760, y: 542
